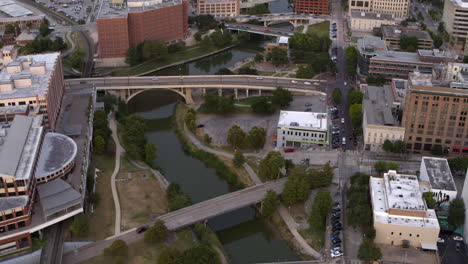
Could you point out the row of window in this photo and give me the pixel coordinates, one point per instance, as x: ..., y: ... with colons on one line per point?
x: 305, y: 134
x: 11, y: 227
x: 410, y: 234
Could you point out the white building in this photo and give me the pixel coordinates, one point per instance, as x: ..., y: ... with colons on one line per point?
x: 436, y: 171
x: 400, y: 212
x: 302, y: 129
x: 367, y: 21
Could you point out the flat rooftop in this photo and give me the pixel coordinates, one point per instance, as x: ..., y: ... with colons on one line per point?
x: 436, y: 53
x: 400, y: 192
x: 40, y: 83
x: 371, y: 15
x: 56, y: 153
x: 395, y: 32
x: 417, y: 78
x: 15, y: 10
x: 17, y: 109
x: 303, y: 120
x: 56, y: 196
x: 378, y: 103
x: 20, y: 19
x: 460, y: 3
x: 7, y: 203
x: 20, y: 146
x: 371, y: 44
x: 400, y: 56
x: 109, y: 9
x: 439, y: 174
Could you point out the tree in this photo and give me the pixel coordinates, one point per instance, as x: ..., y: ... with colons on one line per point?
x: 258, y: 57
x: 133, y: 56
x: 176, y: 198
x: 278, y: 56
x: 262, y: 106
x: 336, y: 96
x: 408, y: 43
x: 271, y: 165
x: 44, y: 29
x: 79, y: 226
x: 399, y: 147
x: 118, y: 249
x: 430, y: 201
x: 235, y: 136
x: 256, y: 137
x: 247, y: 70
x: 13, y: 29
x: 321, y: 178
x: 169, y: 255
x: 238, y: 158
x: 200, y: 254
x: 154, y: 49
x: 156, y: 234
x: 205, y: 22
x: 305, y: 72
x: 191, y: 120
x: 352, y: 55
x: 375, y: 79
x: 441, y: 27
x: 458, y: 164
x: 207, y: 139
x: 437, y: 150
x: 387, y: 146
x: 150, y: 153
x: 297, y: 187
x: 224, y: 71
x: 197, y: 36
x: 218, y: 104
x: 380, y: 166
x: 99, y: 145
x: 270, y: 204
x: 456, y: 216
x: 355, y: 113
x: 321, y: 207
x: 58, y: 44
x: 393, y: 166
x: 259, y: 9
x: 368, y: 251
x: 282, y: 97
x: 355, y: 97
x: 221, y: 38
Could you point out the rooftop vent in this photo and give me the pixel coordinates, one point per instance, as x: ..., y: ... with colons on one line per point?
x: 378, y: 15
x: 294, y: 124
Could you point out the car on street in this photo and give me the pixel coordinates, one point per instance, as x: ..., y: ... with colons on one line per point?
x: 457, y: 238
x: 259, y: 78
x: 440, y: 240
x: 343, y: 141
x: 308, y: 83
x: 316, y: 83
x: 345, y: 83
x: 322, y: 98
x: 457, y: 247
x: 288, y: 150
x: 308, y: 110
x: 200, y: 126
x: 155, y: 79
x: 293, y: 81
x: 308, y: 104
x: 142, y: 229
x: 342, y: 120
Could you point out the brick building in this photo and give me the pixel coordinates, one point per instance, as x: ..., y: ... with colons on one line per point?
x: 125, y: 25
x: 435, y: 116
x: 316, y: 7
x: 218, y: 8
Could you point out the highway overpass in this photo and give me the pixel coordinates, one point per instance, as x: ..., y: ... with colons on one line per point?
x: 128, y: 87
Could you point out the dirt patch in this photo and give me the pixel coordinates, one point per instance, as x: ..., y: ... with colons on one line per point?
x: 141, y: 196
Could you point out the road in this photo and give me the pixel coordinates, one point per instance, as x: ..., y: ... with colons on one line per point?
x: 185, y: 217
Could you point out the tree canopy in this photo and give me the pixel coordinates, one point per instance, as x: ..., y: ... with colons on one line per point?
x: 408, y: 43
x: 336, y: 96
x: 352, y: 55
x: 321, y: 207
x: 271, y: 165
x: 262, y: 105
x: 297, y: 186
x: 236, y: 137
x: 368, y: 251
x: 157, y: 233
x: 218, y: 104
x: 257, y: 137
x: 278, y: 56
x: 282, y: 97
x: 270, y: 204
x: 259, y: 9
x: 456, y: 216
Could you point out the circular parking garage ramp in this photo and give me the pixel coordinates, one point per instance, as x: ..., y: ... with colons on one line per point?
x: 57, y: 157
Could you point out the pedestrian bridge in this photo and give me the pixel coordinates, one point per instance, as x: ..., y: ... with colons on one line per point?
x: 220, y: 205
x: 295, y: 19
x: 128, y: 87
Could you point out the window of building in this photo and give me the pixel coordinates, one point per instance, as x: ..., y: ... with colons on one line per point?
x: 11, y: 227
x: 400, y: 234
x: 391, y: 233
x: 19, y: 213
x: 417, y: 235
x: 21, y: 224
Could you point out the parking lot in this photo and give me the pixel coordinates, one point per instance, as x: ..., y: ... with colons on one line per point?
x: 76, y: 10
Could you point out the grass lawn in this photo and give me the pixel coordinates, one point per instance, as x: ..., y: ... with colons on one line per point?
x: 264, y: 73
x: 280, y: 74
x: 191, y: 52
x: 321, y: 29
x: 143, y: 253
x: 242, y: 174
x: 101, y: 222
x: 140, y: 197
x: 254, y: 163
x: 237, y: 110
x: 315, y: 238
x: 299, y: 29
x: 250, y: 100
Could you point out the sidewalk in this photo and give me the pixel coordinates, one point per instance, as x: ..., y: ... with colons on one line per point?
x: 118, y: 152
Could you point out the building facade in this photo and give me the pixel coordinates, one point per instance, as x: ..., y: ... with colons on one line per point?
x: 455, y: 19
x: 399, y: 8
x: 302, y: 129
x: 436, y: 116
x: 368, y: 47
x: 218, y: 8
x: 316, y: 7
x: 396, y: 64
x: 380, y: 120
x: 400, y: 212
x: 32, y: 80
x: 464, y: 196
x: 367, y: 21
x: 392, y: 34
x: 126, y: 25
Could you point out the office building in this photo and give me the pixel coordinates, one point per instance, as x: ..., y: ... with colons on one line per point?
x: 464, y: 196
x: 454, y: 18
x: 398, y: 8
x: 380, y: 121
x: 399, y: 88
x: 32, y: 80
x: 218, y: 8
x: 392, y: 34
x: 302, y: 129
x: 368, y: 47
x: 435, y: 116
x: 367, y: 21
x: 22, y: 22
x: 124, y: 25
x: 400, y: 213
x: 397, y: 64
x: 316, y: 7
x: 436, y: 172
x: 33, y: 164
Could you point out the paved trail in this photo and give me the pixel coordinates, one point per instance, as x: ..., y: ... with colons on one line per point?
x: 118, y: 151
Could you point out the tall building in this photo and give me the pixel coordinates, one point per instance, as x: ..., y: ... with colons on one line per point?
x: 400, y: 212
x: 34, y: 166
x: 380, y: 120
x: 398, y: 8
x: 32, y: 80
x: 316, y: 7
x: 454, y: 18
x: 126, y: 24
x: 302, y: 129
x: 435, y: 116
x: 218, y: 8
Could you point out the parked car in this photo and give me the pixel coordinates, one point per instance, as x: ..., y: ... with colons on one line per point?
x: 342, y: 120
x: 308, y: 104
x: 457, y: 247
x: 440, y: 240
x: 201, y: 125
x: 335, y: 255
x: 142, y: 229
x: 457, y: 238
x: 288, y: 150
